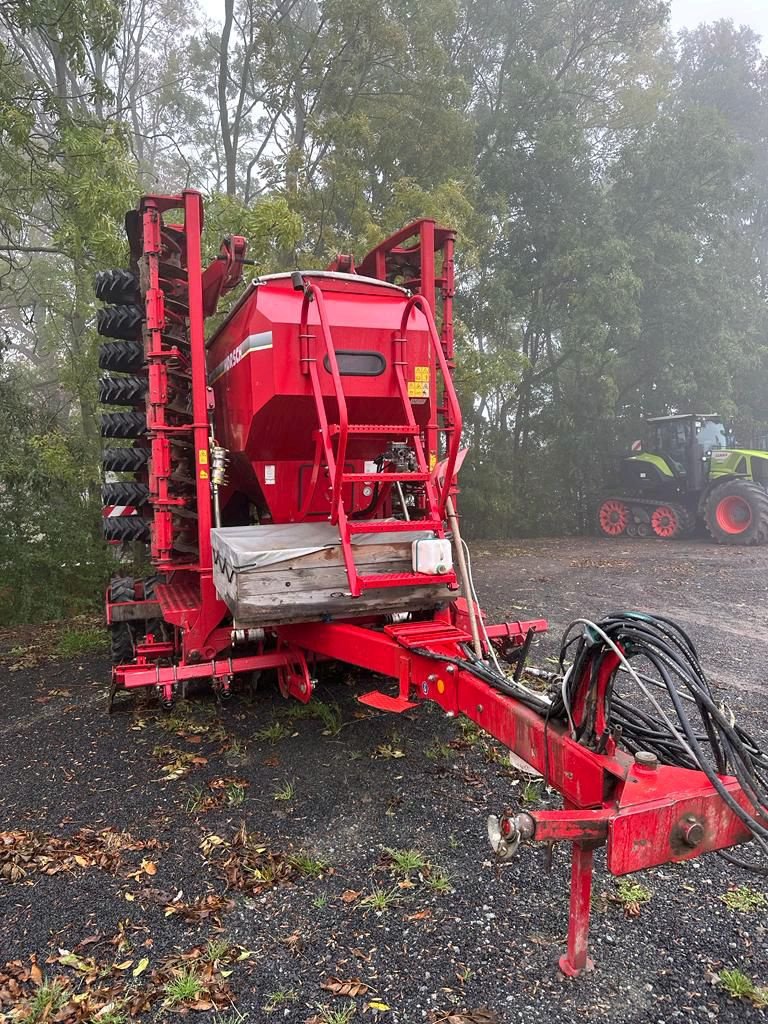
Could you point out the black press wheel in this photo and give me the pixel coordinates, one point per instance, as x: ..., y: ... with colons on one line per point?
x: 736, y: 512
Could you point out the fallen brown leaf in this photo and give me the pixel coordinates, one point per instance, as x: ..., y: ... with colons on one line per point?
x: 337, y: 987
x: 350, y: 895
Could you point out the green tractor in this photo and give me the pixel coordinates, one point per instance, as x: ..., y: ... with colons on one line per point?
x: 690, y: 475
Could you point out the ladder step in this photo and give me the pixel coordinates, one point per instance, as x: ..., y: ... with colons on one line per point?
x: 378, y: 581
x: 384, y: 478
x: 393, y: 525
x: 384, y: 702
x: 379, y: 429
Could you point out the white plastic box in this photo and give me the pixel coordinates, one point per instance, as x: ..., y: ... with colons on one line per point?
x: 432, y: 557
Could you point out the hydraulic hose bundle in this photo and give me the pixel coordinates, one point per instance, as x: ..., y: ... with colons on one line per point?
x: 709, y: 741
x: 689, y: 729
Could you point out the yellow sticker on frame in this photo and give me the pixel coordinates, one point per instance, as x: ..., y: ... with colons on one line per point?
x: 418, y: 389
x: 421, y: 373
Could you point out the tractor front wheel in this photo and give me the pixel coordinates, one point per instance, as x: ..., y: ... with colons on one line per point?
x: 736, y: 512
x: 613, y: 517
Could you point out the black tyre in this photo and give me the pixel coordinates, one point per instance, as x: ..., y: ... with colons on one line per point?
x: 736, y: 512
x: 125, y: 460
x: 121, y: 286
x: 126, y: 529
x: 122, y: 588
x: 121, y: 643
x: 123, y: 356
x: 123, y: 424
x: 125, y: 492
x: 120, y: 322
x: 122, y: 390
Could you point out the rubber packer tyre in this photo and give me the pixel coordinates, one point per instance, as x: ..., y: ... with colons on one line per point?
x: 122, y: 356
x: 736, y: 512
x: 121, y: 643
x: 122, y: 588
x: 125, y: 492
x: 125, y: 529
x: 122, y: 390
x: 120, y: 322
x: 123, y: 424
x: 125, y: 460
x: 120, y: 286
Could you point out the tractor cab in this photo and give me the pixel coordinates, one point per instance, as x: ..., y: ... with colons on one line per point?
x: 677, y: 459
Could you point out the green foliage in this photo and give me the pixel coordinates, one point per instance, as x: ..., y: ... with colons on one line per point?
x: 745, y: 899
x: 740, y: 986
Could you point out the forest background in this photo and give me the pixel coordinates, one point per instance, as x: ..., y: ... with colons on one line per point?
x: 608, y: 180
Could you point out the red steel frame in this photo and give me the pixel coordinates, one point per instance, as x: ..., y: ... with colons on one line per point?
x: 644, y: 815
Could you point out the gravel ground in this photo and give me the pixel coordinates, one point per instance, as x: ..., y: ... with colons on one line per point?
x: 322, y: 798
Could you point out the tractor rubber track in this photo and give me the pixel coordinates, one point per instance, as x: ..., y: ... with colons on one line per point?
x: 125, y: 460
x: 122, y: 321
x: 641, y: 510
x: 125, y: 492
x: 125, y: 356
x: 118, y: 286
x: 122, y: 390
x: 126, y: 529
x: 123, y: 424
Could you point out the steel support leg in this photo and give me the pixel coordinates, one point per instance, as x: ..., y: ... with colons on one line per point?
x: 576, y: 960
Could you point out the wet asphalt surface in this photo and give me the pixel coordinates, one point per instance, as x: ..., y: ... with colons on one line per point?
x: 405, y: 782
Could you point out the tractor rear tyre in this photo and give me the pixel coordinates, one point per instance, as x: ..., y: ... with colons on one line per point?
x: 122, y: 588
x: 736, y: 512
x: 613, y: 517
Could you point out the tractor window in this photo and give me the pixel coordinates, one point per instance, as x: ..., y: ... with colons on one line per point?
x: 712, y: 434
x: 672, y: 439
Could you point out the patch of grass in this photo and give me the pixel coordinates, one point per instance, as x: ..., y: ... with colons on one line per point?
x: 82, y: 641
x: 183, y: 988
x: 216, y: 950
x: 531, y: 792
x: 631, y: 895
x: 404, y: 862
x: 49, y: 998
x: 740, y: 986
x: 439, y: 881
x: 195, y: 799
x: 744, y: 899
x: 273, y: 733
x: 285, y: 792
x: 320, y: 901
x: 470, y: 732
x: 328, y: 714
x: 380, y: 899
x: 438, y: 751
x: 233, y: 1016
x: 307, y: 865
x: 329, y: 1015
x: 234, y: 794
x: 112, y: 1017
x: 282, y: 997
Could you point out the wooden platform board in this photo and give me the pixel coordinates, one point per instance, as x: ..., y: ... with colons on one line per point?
x: 273, y: 575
